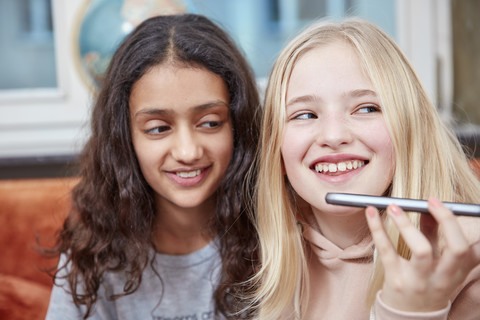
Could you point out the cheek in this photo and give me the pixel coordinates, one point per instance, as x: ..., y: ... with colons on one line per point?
x: 139, y: 147
x: 223, y: 147
x: 377, y: 137
x: 383, y: 146
x: 145, y: 159
x: 294, y: 147
x: 148, y: 153
x: 384, y: 143
x: 226, y: 154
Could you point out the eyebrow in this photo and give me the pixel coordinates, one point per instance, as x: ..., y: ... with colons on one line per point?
x: 362, y: 93
x: 313, y: 98
x: 169, y: 111
x: 306, y: 98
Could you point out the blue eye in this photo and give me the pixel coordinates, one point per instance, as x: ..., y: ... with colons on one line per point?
x: 305, y: 116
x: 368, y: 109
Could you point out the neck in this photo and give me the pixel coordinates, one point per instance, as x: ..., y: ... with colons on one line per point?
x: 342, y: 230
x: 180, y: 231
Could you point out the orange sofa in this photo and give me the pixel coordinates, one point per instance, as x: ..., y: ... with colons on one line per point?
x: 30, y: 209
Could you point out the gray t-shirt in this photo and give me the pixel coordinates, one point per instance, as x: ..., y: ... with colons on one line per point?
x: 182, y: 290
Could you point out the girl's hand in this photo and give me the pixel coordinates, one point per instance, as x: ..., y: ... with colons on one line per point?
x: 426, y: 281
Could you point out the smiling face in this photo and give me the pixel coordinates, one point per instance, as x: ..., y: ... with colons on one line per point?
x: 182, y: 133
x: 335, y: 139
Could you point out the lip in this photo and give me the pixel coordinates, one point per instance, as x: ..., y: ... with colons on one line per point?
x: 188, y: 181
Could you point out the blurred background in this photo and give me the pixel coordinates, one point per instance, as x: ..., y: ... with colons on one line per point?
x: 52, y: 53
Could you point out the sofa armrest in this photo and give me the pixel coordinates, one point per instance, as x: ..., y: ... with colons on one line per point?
x: 31, y: 209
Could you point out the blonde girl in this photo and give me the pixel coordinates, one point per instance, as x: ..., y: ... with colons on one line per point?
x: 345, y: 112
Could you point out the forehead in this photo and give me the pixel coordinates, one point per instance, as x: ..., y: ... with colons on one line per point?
x: 170, y: 87
x: 328, y: 68
x: 328, y: 56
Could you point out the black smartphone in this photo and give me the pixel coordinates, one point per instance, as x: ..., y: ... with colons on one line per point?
x: 362, y: 200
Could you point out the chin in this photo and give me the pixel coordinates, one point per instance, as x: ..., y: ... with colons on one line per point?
x: 336, y: 210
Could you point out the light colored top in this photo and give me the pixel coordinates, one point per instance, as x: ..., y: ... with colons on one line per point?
x: 339, y: 281
x: 172, y: 287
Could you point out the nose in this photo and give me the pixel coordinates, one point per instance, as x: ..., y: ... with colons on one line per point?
x: 334, y: 131
x: 186, y: 147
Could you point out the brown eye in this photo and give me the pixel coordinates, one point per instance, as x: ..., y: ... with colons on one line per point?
x: 211, y: 124
x: 157, y: 130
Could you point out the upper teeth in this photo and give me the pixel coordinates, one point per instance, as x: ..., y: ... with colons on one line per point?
x: 340, y: 166
x: 188, y: 174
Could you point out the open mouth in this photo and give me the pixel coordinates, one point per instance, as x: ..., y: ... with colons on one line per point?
x: 188, y: 174
x: 339, y: 167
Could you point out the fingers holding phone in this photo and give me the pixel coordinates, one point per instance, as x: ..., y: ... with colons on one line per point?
x: 426, y: 281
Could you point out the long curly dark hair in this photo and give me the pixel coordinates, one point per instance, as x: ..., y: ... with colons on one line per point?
x: 110, y: 228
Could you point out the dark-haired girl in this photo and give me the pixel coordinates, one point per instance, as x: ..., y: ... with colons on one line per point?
x: 159, y: 227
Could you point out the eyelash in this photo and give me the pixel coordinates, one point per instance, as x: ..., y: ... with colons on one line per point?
x: 211, y: 124
x: 304, y: 116
x: 310, y: 115
x: 157, y: 130
x: 373, y: 108
x: 162, y: 129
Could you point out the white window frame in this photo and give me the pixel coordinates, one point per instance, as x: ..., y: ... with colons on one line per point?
x: 53, y: 122
x: 424, y: 34
x: 48, y: 122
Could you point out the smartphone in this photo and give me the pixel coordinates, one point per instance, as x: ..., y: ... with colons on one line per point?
x: 362, y: 200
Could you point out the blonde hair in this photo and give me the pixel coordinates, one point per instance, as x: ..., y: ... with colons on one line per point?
x: 429, y: 161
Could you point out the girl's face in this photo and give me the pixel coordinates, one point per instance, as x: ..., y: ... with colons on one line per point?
x: 182, y: 133
x: 336, y: 139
